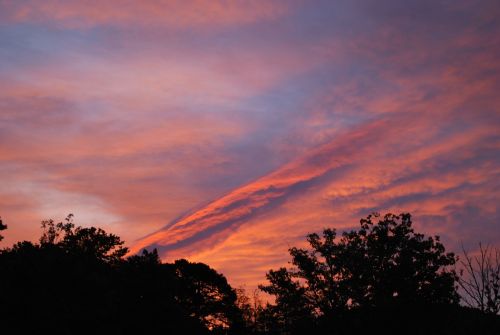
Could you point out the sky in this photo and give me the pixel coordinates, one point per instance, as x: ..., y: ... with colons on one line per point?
x: 225, y: 131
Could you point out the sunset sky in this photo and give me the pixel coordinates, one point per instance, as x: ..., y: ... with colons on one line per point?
x: 225, y: 131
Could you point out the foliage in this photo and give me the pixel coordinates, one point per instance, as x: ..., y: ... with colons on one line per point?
x: 382, y: 263
x: 93, y: 242
x: 383, y: 277
x: 2, y: 227
x: 206, y: 295
x: 77, y: 280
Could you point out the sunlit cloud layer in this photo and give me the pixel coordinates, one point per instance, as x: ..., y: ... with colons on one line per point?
x: 169, y: 13
x: 224, y: 132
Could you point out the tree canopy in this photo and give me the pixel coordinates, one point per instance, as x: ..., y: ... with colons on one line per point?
x: 77, y: 280
x: 382, y: 263
x: 382, y: 277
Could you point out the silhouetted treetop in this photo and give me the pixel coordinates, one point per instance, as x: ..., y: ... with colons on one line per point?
x: 76, y: 280
x: 94, y: 242
x: 207, y: 295
x: 381, y: 278
x: 2, y: 227
x: 383, y: 262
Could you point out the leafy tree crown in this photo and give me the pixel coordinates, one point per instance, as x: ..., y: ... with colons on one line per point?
x: 383, y: 262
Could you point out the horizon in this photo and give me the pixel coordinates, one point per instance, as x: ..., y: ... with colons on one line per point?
x: 224, y: 132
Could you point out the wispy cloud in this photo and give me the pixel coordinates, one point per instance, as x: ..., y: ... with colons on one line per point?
x: 176, y: 14
x: 247, y: 125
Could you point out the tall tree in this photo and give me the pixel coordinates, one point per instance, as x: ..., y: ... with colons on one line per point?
x: 384, y: 262
x: 76, y: 280
x: 207, y: 296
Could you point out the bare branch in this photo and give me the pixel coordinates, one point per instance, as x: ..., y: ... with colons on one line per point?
x: 481, y: 280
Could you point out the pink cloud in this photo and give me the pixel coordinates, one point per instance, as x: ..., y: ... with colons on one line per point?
x: 430, y: 154
x: 174, y: 14
x: 396, y: 119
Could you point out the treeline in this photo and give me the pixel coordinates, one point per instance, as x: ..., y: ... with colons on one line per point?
x: 383, y: 277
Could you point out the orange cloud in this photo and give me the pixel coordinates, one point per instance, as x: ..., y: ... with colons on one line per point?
x: 428, y: 145
x: 244, y: 202
x: 288, y: 130
x: 434, y: 185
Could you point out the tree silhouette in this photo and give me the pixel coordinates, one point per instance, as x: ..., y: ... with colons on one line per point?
x: 383, y: 263
x: 480, y: 279
x: 383, y: 277
x: 2, y: 227
x: 76, y: 280
x: 93, y: 242
x: 254, y: 311
x: 207, y: 296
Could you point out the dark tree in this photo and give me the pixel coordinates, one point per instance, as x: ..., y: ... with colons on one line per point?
x: 76, y: 280
x: 480, y: 279
x: 254, y: 312
x: 383, y: 263
x: 294, y: 307
x: 146, y: 298
x: 383, y: 277
x: 91, y: 242
x: 207, y: 296
x: 2, y: 227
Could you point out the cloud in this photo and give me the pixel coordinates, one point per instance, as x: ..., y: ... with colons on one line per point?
x: 276, y: 123
x: 433, y: 185
x: 174, y: 14
x: 420, y: 135
x: 243, y: 203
